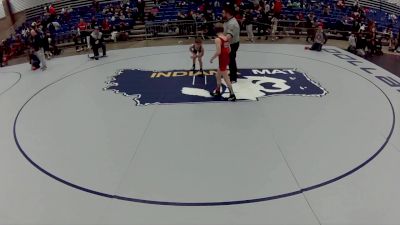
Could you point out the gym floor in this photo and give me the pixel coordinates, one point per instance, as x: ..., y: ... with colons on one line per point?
x: 128, y: 139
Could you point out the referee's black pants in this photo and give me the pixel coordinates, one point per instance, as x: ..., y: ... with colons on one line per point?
x: 232, y: 62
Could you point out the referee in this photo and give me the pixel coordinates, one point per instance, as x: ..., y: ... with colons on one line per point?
x: 232, y: 31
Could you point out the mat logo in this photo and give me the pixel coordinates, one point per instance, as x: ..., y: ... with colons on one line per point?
x: 171, y: 87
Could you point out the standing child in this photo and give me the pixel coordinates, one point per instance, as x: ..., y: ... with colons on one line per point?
x: 222, y: 52
x: 197, y: 51
x: 274, y: 22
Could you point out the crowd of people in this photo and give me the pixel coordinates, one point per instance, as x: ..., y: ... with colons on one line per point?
x: 263, y: 16
x: 266, y: 18
x: 38, y: 38
x: 118, y: 20
x: 365, y: 38
x: 41, y: 33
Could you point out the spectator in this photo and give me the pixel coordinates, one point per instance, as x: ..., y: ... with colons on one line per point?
x: 52, y: 14
x: 267, y: 8
x: 76, y: 37
x: 33, y: 59
x: 392, y: 41
x: 277, y: 8
x: 356, y: 26
x: 52, y: 10
x: 6, y: 49
x: 122, y: 16
x: 93, y: 22
x: 182, y: 3
x: 301, y: 4
x: 289, y: 4
x: 95, y: 5
x: 181, y: 16
x: 65, y: 12
x: 326, y: 10
x: 297, y: 25
x: 46, y: 46
x: 361, y: 44
x: 393, y: 18
x: 37, y: 45
x: 54, y: 50
x: 340, y: 4
x: 154, y: 11
x: 274, y: 22
x: 106, y: 27
x: 248, y: 23
x: 356, y: 5
x: 141, y: 6
x: 69, y: 9
x: 371, y: 42
x: 82, y: 30
x: 319, y: 39
x: 122, y: 32
x: 53, y: 27
x: 97, y: 42
x: 310, y: 21
x: 352, y: 43
x: 126, y: 2
x: 262, y: 23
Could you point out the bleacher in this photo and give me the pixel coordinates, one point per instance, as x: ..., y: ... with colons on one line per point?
x: 81, y: 9
x: 381, y: 5
x: 37, y: 11
x: 169, y: 12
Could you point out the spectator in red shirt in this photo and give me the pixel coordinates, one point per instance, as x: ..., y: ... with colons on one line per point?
x: 82, y: 25
x: 52, y: 12
x: 106, y: 27
x: 82, y: 31
x: 277, y: 8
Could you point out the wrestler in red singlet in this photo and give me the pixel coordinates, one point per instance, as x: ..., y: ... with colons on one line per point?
x: 224, y: 55
x: 222, y: 52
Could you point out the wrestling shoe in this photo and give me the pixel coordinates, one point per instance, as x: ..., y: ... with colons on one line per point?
x: 216, y: 93
x: 232, y: 98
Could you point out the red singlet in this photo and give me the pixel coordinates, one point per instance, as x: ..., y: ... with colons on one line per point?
x: 224, y: 56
